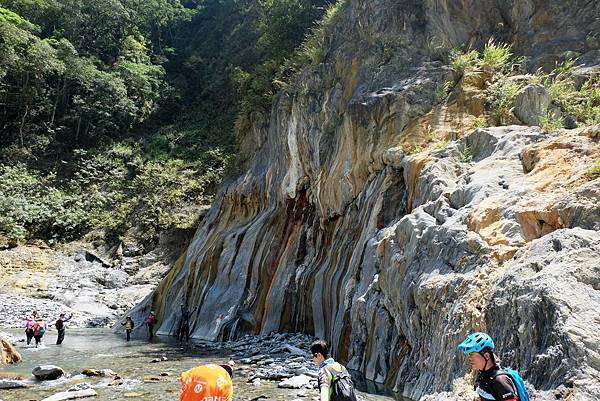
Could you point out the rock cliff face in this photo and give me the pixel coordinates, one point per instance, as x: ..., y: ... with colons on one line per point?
x: 335, y: 230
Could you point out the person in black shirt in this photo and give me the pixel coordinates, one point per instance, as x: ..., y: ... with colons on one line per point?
x: 492, y: 383
x: 60, y: 327
x: 184, y: 323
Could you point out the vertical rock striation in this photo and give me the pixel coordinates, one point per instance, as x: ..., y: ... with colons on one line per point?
x: 334, y: 229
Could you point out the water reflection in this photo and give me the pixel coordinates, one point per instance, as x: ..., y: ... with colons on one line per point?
x: 371, y: 387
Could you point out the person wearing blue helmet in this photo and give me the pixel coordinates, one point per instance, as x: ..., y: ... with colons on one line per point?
x: 492, y: 384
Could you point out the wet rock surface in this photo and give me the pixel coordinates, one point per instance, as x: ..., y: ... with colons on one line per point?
x: 6, y: 384
x: 72, y: 394
x: 47, y: 372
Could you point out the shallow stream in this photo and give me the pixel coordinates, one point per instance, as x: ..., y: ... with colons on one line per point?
x: 102, y: 349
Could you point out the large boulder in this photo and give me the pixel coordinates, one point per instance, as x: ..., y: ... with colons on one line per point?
x: 47, y: 372
x: 8, y: 353
x: 532, y: 103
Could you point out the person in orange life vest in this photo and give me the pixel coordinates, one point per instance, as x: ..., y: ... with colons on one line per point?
x: 207, y: 383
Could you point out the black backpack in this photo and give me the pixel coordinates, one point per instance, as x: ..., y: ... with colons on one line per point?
x: 342, y: 388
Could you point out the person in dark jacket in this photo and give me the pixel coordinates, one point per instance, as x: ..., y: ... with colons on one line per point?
x: 184, y: 323
x: 492, y: 384
x: 60, y: 327
x: 29, y: 323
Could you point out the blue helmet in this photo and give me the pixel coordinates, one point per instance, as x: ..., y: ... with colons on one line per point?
x: 475, y: 342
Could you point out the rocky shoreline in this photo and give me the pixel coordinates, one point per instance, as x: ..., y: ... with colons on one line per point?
x: 97, y: 284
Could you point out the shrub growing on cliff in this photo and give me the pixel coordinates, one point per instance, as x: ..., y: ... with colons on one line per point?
x: 442, y: 91
x: 549, y: 122
x: 582, y: 103
x: 495, y: 56
x: 466, y: 156
x: 500, y: 97
x: 463, y: 61
x: 594, y: 171
x: 480, y: 122
x: 314, y: 47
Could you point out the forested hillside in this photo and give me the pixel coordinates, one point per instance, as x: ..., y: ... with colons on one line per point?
x: 120, y: 113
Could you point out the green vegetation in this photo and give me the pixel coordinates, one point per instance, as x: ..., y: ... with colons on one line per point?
x: 549, y: 122
x: 441, y: 144
x: 594, y: 171
x: 480, y: 122
x: 466, y: 156
x: 461, y: 62
x: 583, y: 102
x: 314, y: 47
x: 120, y: 113
x: 442, y: 91
x: 282, y: 50
x: 107, y: 189
x: 414, y: 148
x: 495, y: 56
x: 500, y: 98
x: 67, y: 79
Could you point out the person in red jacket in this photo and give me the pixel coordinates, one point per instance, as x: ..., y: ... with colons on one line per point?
x: 39, y: 329
x: 492, y: 384
x: 151, y: 322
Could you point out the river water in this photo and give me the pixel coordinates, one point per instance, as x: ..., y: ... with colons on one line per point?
x: 103, y: 349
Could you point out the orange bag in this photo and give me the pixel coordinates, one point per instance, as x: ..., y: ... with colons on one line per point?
x: 206, y: 383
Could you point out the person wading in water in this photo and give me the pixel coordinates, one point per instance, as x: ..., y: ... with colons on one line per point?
x: 128, y: 323
x: 39, y: 329
x: 29, y: 323
x: 335, y: 383
x: 184, y: 323
x: 60, y: 327
x: 151, y: 322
